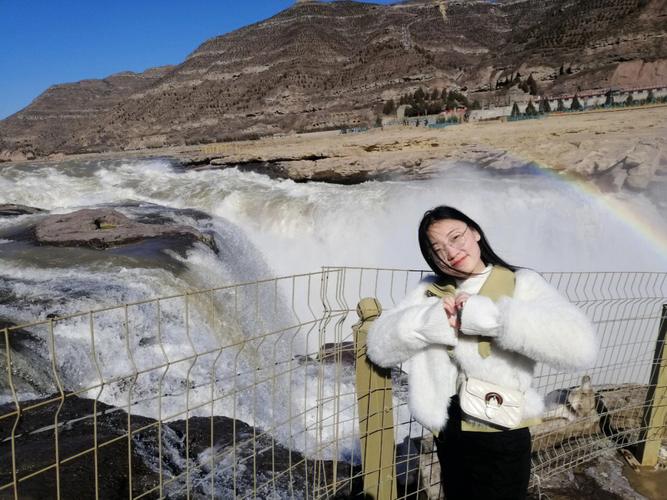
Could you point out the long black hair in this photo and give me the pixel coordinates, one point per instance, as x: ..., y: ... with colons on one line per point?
x: 438, y: 265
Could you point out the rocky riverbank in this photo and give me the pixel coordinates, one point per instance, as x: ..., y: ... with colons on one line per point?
x: 619, y: 149
x: 615, y: 149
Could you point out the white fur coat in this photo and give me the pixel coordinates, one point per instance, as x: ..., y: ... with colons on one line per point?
x: 536, y: 324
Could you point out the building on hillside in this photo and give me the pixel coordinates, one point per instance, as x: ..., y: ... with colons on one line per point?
x: 587, y: 99
x: 492, y: 113
x: 458, y: 112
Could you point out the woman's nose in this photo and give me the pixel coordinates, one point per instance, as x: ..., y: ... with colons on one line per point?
x: 450, y: 251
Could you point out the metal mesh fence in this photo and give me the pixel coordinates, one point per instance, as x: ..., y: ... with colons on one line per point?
x: 248, y: 391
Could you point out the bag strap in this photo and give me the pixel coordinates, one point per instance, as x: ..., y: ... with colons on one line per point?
x: 501, y: 282
x: 440, y: 290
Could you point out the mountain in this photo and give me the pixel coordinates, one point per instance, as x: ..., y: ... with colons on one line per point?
x: 317, y: 66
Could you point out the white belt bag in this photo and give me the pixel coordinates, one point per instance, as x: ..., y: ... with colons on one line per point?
x: 491, y: 403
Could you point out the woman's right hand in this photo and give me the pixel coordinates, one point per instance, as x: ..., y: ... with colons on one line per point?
x: 449, y: 305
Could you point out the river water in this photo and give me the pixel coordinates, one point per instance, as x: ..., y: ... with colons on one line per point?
x: 532, y: 219
x: 264, y: 228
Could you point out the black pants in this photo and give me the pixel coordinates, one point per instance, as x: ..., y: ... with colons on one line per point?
x: 483, y: 465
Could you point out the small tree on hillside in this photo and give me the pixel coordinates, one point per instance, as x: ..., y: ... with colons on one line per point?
x: 419, y: 94
x: 576, y: 104
x: 530, y: 109
x: 420, y: 108
x: 629, y: 101
x: 456, y: 98
x: 515, y: 111
x: 532, y: 85
x: 609, y: 101
x: 434, y: 107
x: 559, y: 105
x: 650, y: 98
x: 435, y: 94
x: 451, y: 102
x: 389, y: 107
x: 544, y: 107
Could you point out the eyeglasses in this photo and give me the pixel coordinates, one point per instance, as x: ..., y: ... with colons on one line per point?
x: 456, y: 240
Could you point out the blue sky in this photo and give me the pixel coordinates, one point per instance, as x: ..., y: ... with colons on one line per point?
x: 44, y: 42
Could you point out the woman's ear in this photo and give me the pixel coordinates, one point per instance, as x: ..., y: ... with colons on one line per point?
x: 475, y: 234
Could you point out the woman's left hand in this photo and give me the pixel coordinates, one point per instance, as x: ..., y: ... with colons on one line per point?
x: 461, y: 299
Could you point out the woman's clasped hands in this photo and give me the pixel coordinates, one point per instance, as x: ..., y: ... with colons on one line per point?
x: 453, y: 307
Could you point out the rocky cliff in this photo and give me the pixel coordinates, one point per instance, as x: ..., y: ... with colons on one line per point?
x: 317, y: 66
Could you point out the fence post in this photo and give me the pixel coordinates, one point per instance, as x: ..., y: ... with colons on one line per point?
x: 376, y: 421
x: 655, y: 406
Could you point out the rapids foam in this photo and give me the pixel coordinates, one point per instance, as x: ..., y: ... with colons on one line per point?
x: 265, y: 228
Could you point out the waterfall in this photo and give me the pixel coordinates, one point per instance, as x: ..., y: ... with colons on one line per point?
x: 263, y: 228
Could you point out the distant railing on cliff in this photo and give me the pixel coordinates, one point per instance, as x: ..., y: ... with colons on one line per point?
x: 271, y: 408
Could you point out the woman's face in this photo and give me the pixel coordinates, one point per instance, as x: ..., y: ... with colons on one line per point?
x: 456, y: 244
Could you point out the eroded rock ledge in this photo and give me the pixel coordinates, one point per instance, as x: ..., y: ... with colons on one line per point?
x: 620, y: 149
x: 12, y: 209
x: 104, y: 228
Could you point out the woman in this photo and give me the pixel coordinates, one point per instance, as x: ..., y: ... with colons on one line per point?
x: 446, y: 342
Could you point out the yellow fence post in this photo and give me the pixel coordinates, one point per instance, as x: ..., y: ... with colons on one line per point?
x: 376, y: 422
x: 655, y: 407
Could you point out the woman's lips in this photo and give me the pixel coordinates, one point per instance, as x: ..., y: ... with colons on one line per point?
x: 458, y: 261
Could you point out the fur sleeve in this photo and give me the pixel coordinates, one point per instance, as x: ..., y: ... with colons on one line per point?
x: 415, y: 323
x: 543, y: 325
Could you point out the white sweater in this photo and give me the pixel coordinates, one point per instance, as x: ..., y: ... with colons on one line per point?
x: 536, y: 324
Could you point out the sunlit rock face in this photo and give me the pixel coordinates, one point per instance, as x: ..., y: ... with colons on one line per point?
x: 102, y: 228
x: 317, y: 66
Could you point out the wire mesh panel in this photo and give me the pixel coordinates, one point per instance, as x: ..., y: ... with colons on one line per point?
x: 214, y: 393
x: 248, y: 391
x: 584, y: 421
x: 589, y: 411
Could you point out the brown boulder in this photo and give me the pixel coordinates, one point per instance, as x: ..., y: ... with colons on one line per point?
x: 103, y: 228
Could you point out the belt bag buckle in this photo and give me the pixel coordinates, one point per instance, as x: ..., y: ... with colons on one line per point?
x: 491, y: 403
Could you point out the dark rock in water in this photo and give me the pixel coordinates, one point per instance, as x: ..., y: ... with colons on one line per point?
x: 38, y: 444
x: 11, y: 209
x: 211, y: 456
x: 342, y: 352
x: 329, y: 353
x: 104, y: 228
x: 291, y: 168
x: 29, y: 371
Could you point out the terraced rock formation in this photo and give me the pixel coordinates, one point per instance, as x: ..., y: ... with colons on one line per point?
x: 318, y: 66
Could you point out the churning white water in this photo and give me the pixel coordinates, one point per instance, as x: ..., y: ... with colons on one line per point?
x: 265, y: 228
x: 531, y: 220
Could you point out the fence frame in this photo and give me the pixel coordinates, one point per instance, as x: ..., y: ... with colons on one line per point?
x: 655, y: 409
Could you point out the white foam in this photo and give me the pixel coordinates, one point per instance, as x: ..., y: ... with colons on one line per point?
x: 278, y: 227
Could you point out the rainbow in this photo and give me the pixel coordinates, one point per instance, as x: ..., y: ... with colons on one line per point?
x: 627, y: 214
